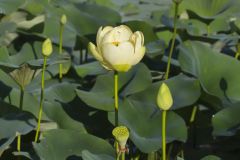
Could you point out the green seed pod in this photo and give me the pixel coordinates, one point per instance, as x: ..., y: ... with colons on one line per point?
x: 121, y: 134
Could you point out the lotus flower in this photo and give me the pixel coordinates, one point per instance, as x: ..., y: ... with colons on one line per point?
x: 118, y: 48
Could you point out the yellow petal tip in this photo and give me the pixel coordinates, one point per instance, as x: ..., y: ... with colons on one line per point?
x: 122, y: 67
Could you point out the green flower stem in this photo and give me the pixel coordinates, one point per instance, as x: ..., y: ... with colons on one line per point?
x: 41, y: 99
x: 238, y: 51
x: 173, y: 41
x: 192, y: 125
x: 237, y: 55
x: 19, y: 143
x: 116, y: 106
x: 164, y: 116
x: 20, y: 107
x: 164, y: 113
x: 60, y: 50
x: 123, y: 156
x: 193, y: 115
x: 116, y: 97
x: 118, y: 156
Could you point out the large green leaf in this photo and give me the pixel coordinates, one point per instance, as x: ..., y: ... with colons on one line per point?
x: 155, y: 48
x: 86, y: 155
x: 210, y: 9
x: 227, y: 121
x: 7, y: 6
x: 215, y: 71
x: 7, y: 32
x: 99, y: 100
x: 197, y: 28
x: 30, y: 102
x: 58, y: 114
x: 146, y: 28
x: 31, y: 55
x: 13, y: 122
x: 145, y: 126
x: 63, y: 144
x: 61, y: 92
x: 101, y: 95
x: 141, y: 10
x: 34, y: 7
x: 185, y: 92
x: 22, y: 21
x: 6, y: 79
x: 88, y: 24
x: 93, y: 68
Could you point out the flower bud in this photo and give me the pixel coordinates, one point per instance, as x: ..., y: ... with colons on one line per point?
x: 164, y: 97
x: 47, y: 47
x: 63, y: 19
x: 121, y: 135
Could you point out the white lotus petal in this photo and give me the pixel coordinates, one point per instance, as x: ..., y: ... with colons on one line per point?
x: 117, y: 55
x: 138, y: 55
x: 106, y: 65
x: 101, y: 32
x: 93, y: 49
x: 137, y: 39
x: 118, y: 34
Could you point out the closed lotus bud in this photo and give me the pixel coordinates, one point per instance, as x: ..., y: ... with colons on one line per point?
x: 164, y: 97
x: 63, y: 19
x: 121, y: 134
x: 47, y: 47
x: 118, y: 48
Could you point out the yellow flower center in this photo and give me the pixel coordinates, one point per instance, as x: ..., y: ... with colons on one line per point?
x: 115, y: 43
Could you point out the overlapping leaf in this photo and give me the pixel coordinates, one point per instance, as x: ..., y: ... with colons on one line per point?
x: 60, y: 145
x: 145, y: 125
x: 215, y: 71
x: 101, y: 95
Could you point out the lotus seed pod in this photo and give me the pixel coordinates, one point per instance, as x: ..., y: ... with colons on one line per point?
x: 47, y: 47
x: 121, y: 135
x: 164, y: 97
x: 63, y: 19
